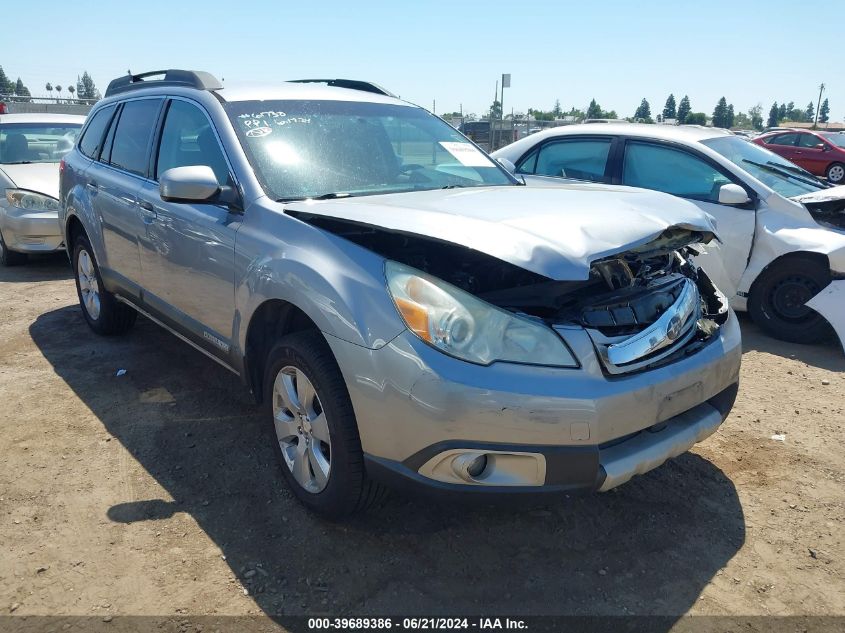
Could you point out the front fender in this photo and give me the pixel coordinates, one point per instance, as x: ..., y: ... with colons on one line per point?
x: 339, y: 285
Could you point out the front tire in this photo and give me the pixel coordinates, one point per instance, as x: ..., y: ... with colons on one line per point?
x: 313, y: 427
x: 10, y: 258
x: 101, y: 309
x: 836, y: 174
x: 778, y: 298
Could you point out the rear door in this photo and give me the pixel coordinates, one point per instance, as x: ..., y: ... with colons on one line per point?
x: 577, y: 157
x: 685, y: 173
x: 809, y: 155
x: 187, y: 249
x: 783, y: 145
x: 116, y: 181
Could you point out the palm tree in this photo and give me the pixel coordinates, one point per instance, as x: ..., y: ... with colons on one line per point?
x: 49, y: 88
x: 59, y: 90
x: 71, y: 90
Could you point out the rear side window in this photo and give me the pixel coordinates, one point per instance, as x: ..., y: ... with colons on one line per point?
x: 672, y: 171
x: 132, y: 136
x: 188, y: 139
x: 583, y: 159
x: 92, y: 139
x: 783, y: 139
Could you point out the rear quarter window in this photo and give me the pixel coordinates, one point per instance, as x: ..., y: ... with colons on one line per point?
x: 93, y: 136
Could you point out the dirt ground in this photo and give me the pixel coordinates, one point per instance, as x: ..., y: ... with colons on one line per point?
x: 155, y: 492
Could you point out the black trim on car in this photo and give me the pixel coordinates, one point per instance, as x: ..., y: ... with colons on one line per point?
x: 566, y: 138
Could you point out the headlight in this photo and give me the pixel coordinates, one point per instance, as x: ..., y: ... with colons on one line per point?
x: 31, y: 201
x: 459, y: 324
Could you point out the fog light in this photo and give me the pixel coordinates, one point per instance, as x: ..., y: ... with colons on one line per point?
x: 469, y: 466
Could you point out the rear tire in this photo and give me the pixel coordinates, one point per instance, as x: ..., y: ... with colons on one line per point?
x: 835, y: 174
x: 303, y: 384
x: 101, y: 309
x: 778, y: 297
x: 10, y: 258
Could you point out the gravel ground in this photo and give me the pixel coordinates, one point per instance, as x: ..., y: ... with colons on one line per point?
x: 156, y: 493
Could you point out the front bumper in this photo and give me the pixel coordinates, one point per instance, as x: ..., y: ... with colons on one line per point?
x: 593, y: 431
x: 30, y: 231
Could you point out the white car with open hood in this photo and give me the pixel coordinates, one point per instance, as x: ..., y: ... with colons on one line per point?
x: 782, y: 231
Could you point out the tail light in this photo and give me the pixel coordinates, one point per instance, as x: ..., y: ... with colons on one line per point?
x: 2, y: 108
x: 62, y: 166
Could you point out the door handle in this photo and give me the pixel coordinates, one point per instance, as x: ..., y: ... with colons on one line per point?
x: 92, y: 185
x: 147, y: 211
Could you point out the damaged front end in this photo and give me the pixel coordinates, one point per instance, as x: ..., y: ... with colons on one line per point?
x: 643, y: 307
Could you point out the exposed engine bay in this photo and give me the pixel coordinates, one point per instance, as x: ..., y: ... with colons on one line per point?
x: 828, y: 213
x: 626, y: 296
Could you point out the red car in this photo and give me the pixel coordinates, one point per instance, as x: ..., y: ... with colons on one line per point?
x: 820, y: 153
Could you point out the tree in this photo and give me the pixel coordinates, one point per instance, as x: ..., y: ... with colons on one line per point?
x: 669, y: 111
x: 773, y: 116
x: 742, y: 121
x: 59, y: 90
x: 71, y: 90
x: 49, y: 88
x: 22, y: 91
x: 495, y: 111
x: 696, y: 118
x: 683, y: 110
x: 643, y: 113
x: 556, y: 111
x: 85, y: 88
x: 756, y: 116
x: 6, y: 85
x: 594, y: 110
x: 782, y: 112
x: 730, y: 116
x: 824, y: 113
x: 720, y: 114
x: 810, y: 112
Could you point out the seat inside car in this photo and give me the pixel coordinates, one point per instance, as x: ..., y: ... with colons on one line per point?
x: 16, y: 148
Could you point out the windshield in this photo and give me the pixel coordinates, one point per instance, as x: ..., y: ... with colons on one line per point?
x: 837, y: 139
x: 36, y: 142
x: 312, y: 149
x: 777, y: 173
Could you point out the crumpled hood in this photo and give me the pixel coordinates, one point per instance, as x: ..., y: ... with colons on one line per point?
x: 556, y: 231
x: 39, y: 177
x: 823, y: 195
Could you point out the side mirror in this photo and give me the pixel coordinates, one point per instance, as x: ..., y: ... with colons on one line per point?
x: 733, y: 195
x: 508, y: 165
x: 195, y: 183
x: 822, y: 147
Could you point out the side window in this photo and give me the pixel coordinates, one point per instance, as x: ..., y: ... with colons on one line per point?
x: 188, y: 139
x: 671, y: 171
x: 808, y: 141
x: 528, y: 164
x: 91, y: 140
x: 132, y: 136
x: 783, y: 139
x: 584, y: 159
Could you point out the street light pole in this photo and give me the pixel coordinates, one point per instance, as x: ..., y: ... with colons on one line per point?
x: 818, y: 105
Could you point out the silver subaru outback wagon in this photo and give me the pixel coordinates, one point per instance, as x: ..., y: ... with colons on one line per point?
x: 407, y: 313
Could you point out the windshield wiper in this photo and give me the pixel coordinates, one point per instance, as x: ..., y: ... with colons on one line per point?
x: 19, y: 162
x: 785, y: 171
x: 326, y: 196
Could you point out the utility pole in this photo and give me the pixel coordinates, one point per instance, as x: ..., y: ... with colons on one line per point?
x: 818, y: 105
x: 506, y: 83
x: 492, y: 135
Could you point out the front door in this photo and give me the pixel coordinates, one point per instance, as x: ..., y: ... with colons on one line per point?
x: 187, y: 252
x: 810, y: 154
x: 661, y: 167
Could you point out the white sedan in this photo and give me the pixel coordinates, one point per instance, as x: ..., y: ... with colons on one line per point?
x: 31, y: 148
x: 782, y: 251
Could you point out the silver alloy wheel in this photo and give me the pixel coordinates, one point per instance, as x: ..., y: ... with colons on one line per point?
x: 88, y: 286
x: 836, y: 173
x: 302, y: 429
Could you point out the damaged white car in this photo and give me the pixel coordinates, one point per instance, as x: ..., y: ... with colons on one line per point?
x: 782, y: 250
x: 408, y: 312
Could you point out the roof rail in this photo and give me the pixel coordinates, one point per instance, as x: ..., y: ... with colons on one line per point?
x: 172, y: 77
x: 351, y: 84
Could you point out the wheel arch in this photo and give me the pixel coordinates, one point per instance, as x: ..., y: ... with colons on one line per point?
x: 820, y: 259
x: 271, y: 320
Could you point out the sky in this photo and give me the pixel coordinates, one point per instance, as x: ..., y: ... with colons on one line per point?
x: 449, y: 53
